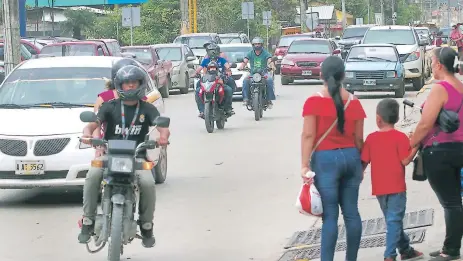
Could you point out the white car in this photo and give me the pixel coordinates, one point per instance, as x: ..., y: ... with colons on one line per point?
x: 411, y: 49
x: 235, y: 53
x: 41, y: 101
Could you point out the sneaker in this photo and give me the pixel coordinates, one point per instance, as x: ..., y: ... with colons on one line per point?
x: 229, y: 112
x: 148, y: 239
x: 389, y: 259
x: 245, y: 102
x: 435, y: 253
x: 444, y: 257
x: 86, y: 232
x: 269, y: 104
x: 201, y: 115
x: 411, y: 254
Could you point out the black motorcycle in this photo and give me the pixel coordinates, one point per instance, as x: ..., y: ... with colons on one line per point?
x: 117, y: 224
x: 258, y: 93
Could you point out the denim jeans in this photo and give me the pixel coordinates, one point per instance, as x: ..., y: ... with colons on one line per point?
x: 270, y: 89
x: 393, y: 207
x: 338, y: 177
x: 227, y: 102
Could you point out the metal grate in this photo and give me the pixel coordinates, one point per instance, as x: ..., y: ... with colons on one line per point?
x: 369, y: 75
x: 50, y: 146
x: 370, y: 227
x: 312, y: 252
x: 307, y: 64
x: 236, y: 76
x: 13, y: 147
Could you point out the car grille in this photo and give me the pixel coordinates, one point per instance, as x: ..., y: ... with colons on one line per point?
x: 307, y: 64
x: 58, y: 174
x: 50, y: 146
x: 13, y: 147
x: 236, y: 76
x: 373, y: 75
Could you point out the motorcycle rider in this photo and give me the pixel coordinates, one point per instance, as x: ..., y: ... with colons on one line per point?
x: 130, y: 83
x: 213, y: 52
x: 259, y: 59
x: 229, y: 80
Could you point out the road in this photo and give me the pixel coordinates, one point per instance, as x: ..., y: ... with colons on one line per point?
x: 229, y: 195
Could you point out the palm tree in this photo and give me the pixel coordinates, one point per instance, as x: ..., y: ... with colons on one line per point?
x: 77, y: 21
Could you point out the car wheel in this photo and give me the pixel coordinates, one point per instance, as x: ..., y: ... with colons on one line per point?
x: 418, y: 83
x: 285, y: 80
x: 164, y: 90
x: 187, y: 85
x: 160, y: 170
x: 399, y: 93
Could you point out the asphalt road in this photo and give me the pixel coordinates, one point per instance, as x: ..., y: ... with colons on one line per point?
x: 229, y: 195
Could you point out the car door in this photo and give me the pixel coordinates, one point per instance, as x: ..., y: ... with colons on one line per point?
x: 154, y: 97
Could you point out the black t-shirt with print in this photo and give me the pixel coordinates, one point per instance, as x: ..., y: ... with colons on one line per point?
x: 110, y: 113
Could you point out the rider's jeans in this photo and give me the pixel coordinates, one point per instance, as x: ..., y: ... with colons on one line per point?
x: 228, y: 99
x: 146, y: 184
x: 270, y: 90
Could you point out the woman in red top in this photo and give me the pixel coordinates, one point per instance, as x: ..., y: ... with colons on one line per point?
x: 335, y: 157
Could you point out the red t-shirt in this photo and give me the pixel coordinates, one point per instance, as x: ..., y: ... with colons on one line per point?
x: 325, y: 111
x: 385, y: 150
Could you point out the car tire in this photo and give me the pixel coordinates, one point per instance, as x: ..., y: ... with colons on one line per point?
x: 285, y: 80
x: 418, y: 83
x: 165, y: 89
x: 400, y: 93
x: 186, y: 89
x: 160, y: 170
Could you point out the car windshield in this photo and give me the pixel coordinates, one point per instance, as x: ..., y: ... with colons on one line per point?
x: 142, y: 55
x: 354, y: 32
x: 193, y: 41
x: 372, y: 53
x: 390, y: 36
x: 286, y: 41
x: 170, y: 53
x: 230, y: 39
x: 75, y: 85
x: 235, y: 53
x: 69, y: 50
x: 309, y: 47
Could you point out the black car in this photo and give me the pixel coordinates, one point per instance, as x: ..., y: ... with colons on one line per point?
x: 351, y: 36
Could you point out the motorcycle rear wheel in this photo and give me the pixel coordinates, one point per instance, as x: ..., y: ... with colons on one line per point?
x: 115, y: 240
x: 209, y: 117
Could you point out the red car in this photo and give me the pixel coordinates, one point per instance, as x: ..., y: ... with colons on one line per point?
x: 112, y: 45
x: 284, y: 43
x: 77, y: 48
x: 304, y: 58
x: 159, y: 70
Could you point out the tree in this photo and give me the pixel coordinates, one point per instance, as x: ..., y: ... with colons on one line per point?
x: 77, y: 21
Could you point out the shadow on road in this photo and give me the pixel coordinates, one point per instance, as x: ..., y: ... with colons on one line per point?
x: 41, y: 197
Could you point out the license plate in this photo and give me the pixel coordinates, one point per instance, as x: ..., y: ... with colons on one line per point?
x: 306, y: 72
x: 369, y: 82
x: 33, y: 167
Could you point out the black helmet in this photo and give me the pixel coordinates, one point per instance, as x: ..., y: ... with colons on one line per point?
x: 130, y: 73
x: 118, y: 65
x: 213, y: 50
x: 208, y: 43
x: 213, y: 64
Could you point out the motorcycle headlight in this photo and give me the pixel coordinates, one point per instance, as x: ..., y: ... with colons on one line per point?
x: 119, y: 164
x: 349, y: 74
x: 279, y: 57
x: 256, y: 77
x: 390, y: 74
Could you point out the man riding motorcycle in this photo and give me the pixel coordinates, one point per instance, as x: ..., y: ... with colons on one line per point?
x: 259, y: 59
x: 130, y: 83
x: 213, y: 52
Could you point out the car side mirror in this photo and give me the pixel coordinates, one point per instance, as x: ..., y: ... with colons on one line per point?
x: 233, y: 65
x: 190, y: 58
x: 337, y: 38
x: 422, y: 42
x: 337, y: 51
x: 162, y: 122
x: 191, y: 66
x: 88, y: 116
x: 240, y: 60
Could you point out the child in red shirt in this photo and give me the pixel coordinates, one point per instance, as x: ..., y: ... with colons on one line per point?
x: 388, y: 151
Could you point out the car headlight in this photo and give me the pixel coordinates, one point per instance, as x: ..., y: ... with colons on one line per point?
x: 287, y: 62
x: 413, y: 56
x: 349, y: 74
x: 280, y: 57
x: 119, y: 164
x: 390, y: 74
x: 256, y: 77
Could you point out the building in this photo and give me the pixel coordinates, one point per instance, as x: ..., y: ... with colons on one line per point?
x: 71, y: 3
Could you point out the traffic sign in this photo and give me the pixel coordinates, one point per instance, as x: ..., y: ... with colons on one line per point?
x: 247, y: 10
x: 267, y: 18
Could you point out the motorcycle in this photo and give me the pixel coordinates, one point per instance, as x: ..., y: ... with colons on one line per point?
x: 212, y: 94
x: 117, y: 224
x: 258, y: 91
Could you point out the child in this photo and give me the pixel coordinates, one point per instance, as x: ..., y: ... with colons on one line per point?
x: 389, y: 151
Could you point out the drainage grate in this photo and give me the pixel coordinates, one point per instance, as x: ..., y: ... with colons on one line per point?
x: 312, y: 252
x: 370, y: 227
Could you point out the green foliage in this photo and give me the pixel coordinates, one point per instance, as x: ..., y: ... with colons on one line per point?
x: 77, y: 21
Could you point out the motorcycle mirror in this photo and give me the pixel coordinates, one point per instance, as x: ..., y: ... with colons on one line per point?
x: 162, y: 122
x: 88, y: 116
x: 150, y: 144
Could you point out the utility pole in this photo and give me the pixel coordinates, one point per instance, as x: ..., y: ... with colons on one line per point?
x: 393, y: 12
x: 184, y: 13
x: 343, y: 7
x: 303, y: 16
x: 448, y: 13
x: 368, y: 18
x: 11, y: 37
x: 382, y: 12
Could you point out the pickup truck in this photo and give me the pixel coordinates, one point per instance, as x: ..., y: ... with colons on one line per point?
x: 77, y: 48
x: 159, y: 70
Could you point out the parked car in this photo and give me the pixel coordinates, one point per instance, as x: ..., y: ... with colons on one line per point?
x: 25, y: 54
x: 352, y: 35
x: 304, y: 58
x: 79, y: 48
x: 283, y: 44
x: 112, y: 45
x: 234, y: 38
x: 46, y: 40
x: 236, y: 53
x: 196, y: 41
x: 182, y: 59
x: 44, y: 150
x: 33, y: 47
x: 409, y: 46
x: 159, y: 70
x: 375, y: 67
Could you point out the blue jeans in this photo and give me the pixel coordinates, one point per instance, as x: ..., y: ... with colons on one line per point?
x: 228, y: 99
x: 338, y: 178
x: 393, y: 207
x: 270, y: 90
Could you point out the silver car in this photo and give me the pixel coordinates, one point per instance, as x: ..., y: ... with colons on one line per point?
x: 182, y: 59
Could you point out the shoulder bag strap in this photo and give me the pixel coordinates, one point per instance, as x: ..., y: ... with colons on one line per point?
x: 332, y: 126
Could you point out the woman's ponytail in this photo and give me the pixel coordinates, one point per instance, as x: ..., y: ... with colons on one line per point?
x: 334, y: 88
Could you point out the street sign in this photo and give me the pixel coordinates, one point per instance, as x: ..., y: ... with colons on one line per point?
x: 247, y: 10
x: 131, y: 16
x: 378, y: 19
x: 359, y: 20
x: 312, y: 20
x: 267, y: 18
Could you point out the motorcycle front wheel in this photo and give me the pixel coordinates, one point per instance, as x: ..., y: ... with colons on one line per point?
x: 209, y: 117
x: 256, y: 105
x: 115, y: 240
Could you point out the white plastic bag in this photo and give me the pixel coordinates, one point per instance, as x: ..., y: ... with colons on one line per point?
x: 309, y: 201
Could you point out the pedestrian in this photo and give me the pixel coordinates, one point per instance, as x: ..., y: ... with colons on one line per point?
x: 388, y: 151
x: 442, y: 153
x: 332, y: 137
